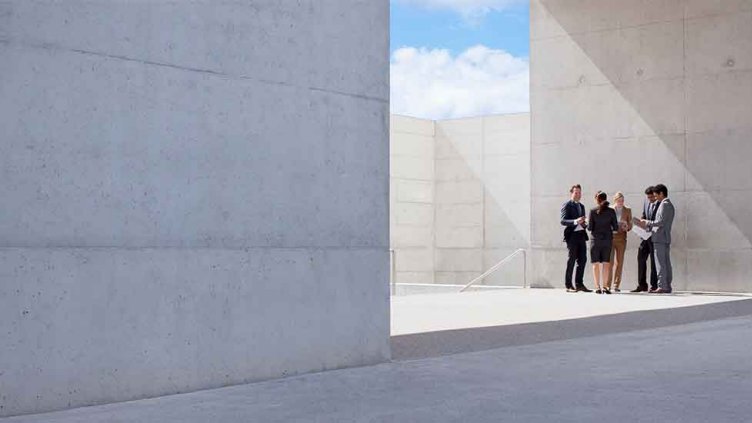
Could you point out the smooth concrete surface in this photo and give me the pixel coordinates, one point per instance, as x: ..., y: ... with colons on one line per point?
x: 448, y: 311
x: 412, y: 183
x: 626, y: 94
x: 460, y: 197
x: 482, y: 197
x: 195, y: 195
x: 690, y: 373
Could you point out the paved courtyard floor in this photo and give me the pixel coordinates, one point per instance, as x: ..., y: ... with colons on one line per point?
x: 698, y: 372
x: 447, y: 311
x: 598, y: 369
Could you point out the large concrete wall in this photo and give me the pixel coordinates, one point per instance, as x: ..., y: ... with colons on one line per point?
x: 195, y: 194
x: 627, y: 94
x: 472, y: 205
x: 412, y: 198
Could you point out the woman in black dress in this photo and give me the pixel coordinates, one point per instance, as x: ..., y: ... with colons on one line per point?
x: 602, y: 224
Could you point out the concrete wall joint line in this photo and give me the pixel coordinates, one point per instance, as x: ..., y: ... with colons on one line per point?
x: 569, y: 34
x: 196, y: 248
x: 716, y: 15
x: 210, y: 72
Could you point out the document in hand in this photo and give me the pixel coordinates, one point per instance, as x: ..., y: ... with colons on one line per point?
x: 642, y: 233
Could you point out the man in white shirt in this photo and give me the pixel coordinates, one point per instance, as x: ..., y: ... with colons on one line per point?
x: 646, y: 250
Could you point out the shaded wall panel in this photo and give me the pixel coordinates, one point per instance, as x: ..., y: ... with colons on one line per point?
x: 195, y: 195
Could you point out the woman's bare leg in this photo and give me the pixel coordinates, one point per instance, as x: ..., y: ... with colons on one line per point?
x: 597, y: 275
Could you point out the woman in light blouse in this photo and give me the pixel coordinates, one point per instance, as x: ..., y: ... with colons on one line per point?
x: 619, y: 246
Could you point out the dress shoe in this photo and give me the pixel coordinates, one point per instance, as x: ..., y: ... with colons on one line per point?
x: 598, y: 291
x: 652, y: 290
x: 661, y: 291
x: 638, y: 289
x: 583, y: 289
x: 607, y: 291
x: 617, y: 290
x: 571, y: 289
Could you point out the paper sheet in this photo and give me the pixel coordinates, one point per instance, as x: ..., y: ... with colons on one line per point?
x: 642, y: 233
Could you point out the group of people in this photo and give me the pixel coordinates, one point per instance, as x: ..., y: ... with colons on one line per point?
x: 608, y: 227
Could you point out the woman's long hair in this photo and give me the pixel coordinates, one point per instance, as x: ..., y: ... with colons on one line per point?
x: 602, y: 199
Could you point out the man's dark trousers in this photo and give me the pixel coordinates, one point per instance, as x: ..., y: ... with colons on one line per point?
x: 577, y: 246
x: 646, y: 251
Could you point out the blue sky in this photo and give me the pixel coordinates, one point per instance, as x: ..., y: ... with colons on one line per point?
x: 418, y: 26
x: 459, y: 58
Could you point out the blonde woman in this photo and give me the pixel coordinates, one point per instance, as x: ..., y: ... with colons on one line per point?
x: 619, y: 246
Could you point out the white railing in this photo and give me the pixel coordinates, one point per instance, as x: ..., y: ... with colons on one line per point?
x: 498, y: 266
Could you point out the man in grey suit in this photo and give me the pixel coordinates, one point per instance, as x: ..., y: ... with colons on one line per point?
x: 664, y: 219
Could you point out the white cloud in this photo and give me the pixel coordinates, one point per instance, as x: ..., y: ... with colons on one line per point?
x: 433, y: 84
x: 471, y: 10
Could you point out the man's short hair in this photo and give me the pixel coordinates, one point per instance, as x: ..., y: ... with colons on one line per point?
x: 660, y: 188
x: 649, y: 190
x: 574, y: 187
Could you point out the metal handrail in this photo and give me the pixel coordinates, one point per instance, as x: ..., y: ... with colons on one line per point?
x: 498, y: 265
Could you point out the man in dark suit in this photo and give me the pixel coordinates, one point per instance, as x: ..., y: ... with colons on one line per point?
x: 575, y: 235
x: 646, y: 250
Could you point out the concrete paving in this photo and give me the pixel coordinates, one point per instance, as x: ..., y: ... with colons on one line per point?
x: 690, y: 373
x: 448, y: 311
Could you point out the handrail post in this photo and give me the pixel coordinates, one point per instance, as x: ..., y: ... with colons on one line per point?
x: 524, y: 269
x: 392, y: 271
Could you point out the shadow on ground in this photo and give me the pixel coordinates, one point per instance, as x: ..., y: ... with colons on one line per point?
x: 448, y: 342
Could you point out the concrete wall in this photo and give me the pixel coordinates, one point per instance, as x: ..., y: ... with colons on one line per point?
x: 195, y: 194
x: 412, y: 198
x: 628, y: 94
x: 479, y: 175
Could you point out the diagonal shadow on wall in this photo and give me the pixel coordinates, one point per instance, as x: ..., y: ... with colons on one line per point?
x: 482, y: 197
x: 624, y: 51
x: 632, y: 81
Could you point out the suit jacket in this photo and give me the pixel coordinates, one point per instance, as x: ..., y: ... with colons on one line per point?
x: 571, y: 211
x: 647, y: 214
x: 602, y: 225
x: 626, y: 217
x: 664, y: 220
x: 645, y: 210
